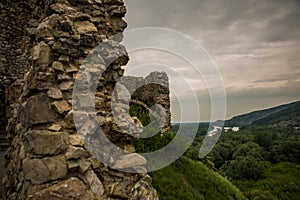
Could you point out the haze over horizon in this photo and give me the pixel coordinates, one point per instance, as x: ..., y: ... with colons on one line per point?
x: 255, y: 45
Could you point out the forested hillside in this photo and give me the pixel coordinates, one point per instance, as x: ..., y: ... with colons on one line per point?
x: 186, y: 178
x: 256, y: 163
x: 263, y: 162
x: 283, y: 115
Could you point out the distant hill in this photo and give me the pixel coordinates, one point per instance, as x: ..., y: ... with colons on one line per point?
x: 283, y: 115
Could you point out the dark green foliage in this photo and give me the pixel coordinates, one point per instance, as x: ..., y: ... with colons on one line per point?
x: 148, y: 144
x: 263, y: 162
x: 247, y: 162
x: 186, y: 179
x: 261, y: 195
x: 154, y: 143
x: 141, y: 113
x: 244, y: 168
x: 249, y: 149
x: 285, y: 151
x: 264, y: 139
x: 281, y: 181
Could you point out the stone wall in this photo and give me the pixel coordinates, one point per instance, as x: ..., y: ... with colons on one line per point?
x: 153, y: 89
x: 14, y: 50
x: 47, y: 158
x: 14, y: 43
x: 14, y: 46
x: 3, y: 119
x: 2, y: 172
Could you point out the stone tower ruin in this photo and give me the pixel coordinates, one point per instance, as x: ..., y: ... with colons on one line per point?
x: 43, y: 44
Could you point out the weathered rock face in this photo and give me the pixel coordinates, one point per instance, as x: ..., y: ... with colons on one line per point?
x: 47, y: 159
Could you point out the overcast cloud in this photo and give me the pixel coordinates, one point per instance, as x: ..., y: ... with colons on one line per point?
x: 255, y: 44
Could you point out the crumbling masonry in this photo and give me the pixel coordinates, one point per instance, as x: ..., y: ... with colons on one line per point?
x: 43, y: 43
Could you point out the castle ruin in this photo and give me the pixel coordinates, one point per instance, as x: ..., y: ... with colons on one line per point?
x: 43, y: 44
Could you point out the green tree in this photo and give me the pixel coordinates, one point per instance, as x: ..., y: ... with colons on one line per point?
x: 243, y: 168
x: 261, y: 195
x: 249, y: 149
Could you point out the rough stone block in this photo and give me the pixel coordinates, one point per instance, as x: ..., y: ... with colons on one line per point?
x: 85, y: 27
x: 58, y: 66
x: 37, y: 110
x: 76, y: 140
x: 44, y: 170
x: 75, y: 152
x: 62, y: 106
x: 71, y: 189
x: 93, y: 181
x: 55, y: 93
x: 130, y: 160
x: 46, y: 142
x: 42, y: 54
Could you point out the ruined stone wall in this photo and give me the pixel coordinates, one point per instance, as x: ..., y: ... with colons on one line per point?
x: 14, y: 50
x: 47, y: 159
x: 14, y: 46
x: 153, y: 89
x: 14, y: 42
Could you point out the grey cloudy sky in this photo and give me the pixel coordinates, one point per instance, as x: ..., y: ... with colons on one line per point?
x: 254, y: 43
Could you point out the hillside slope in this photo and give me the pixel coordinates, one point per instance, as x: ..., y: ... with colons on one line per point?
x: 283, y: 115
x: 287, y: 117
x: 187, y: 179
